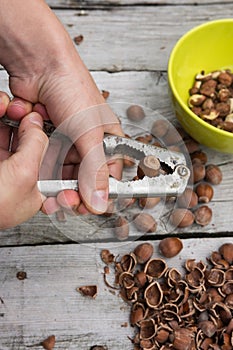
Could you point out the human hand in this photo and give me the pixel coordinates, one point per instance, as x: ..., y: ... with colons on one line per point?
x: 20, y: 198
x: 55, y: 76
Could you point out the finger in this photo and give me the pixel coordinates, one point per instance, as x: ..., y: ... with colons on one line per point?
x: 33, y: 142
x: 18, y: 108
x: 49, y: 165
x: 93, y: 171
x: 68, y: 199
x: 41, y: 109
x: 115, y: 166
x: 72, y: 156
x: 4, y: 102
x: 50, y: 206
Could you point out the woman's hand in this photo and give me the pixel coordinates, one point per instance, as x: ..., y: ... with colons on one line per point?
x: 44, y: 67
x: 20, y: 198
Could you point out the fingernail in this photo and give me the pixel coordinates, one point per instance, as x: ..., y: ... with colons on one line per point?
x: 34, y: 119
x: 99, y: 201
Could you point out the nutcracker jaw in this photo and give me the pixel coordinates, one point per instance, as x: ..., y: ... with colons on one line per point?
x: 171, y: 184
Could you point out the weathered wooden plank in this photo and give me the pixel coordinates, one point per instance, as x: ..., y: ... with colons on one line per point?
x: 79, y: 4
x: 46, y: 302
x: 132, y: 38
x: 150, y: 90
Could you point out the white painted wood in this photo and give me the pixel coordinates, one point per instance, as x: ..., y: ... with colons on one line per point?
x: 108, y: 3
x: 150, y: 90
x: 47, y: 302
x: 135, y: 38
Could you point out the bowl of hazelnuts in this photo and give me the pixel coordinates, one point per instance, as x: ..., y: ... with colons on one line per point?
x: 200, y: 78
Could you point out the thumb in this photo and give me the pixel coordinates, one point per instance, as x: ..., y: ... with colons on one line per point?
x: 93, y: 172
x: 32, y: 141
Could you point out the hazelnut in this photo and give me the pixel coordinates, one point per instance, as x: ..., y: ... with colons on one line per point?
x: 199, y: 156
x: 121, y: 228
x: 145, y: 222
x: 160, y: 128
x: 226, y: 250
x: 170, y: 246
x: 135, y: 113
x: 208, y: 104
x: 204, y: 192
x: 148, y: 203
x: 181, y: 217
x: 196, y: 100
x: 213, y: 174
x: 225, y: 79
x: 223, y: 95
x: 208, y: 88
x: 143, y: 252
x: 198, y: 172
x: 148, y: 166
x: 203, y: 215
x: 191, y: 145
x: 222, y: 108
x: 188, y: 199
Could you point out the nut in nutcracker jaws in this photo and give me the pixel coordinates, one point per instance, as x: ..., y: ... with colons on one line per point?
x: 172, y: 183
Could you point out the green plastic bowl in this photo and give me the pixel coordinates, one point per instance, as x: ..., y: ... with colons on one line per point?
x: 207, y: 47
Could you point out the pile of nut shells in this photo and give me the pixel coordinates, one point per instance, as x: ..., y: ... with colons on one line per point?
x: 171, y: 310
x: 192, y: 206
x: 211, y: 98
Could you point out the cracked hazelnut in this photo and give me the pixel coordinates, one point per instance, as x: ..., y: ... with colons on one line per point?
x: 148, y: 166
x: 204, y: 192
x: 170, y: 246
x: 213, y: 174
x: 88, y: 291
x: 196, y: 100
x: 143, y: 252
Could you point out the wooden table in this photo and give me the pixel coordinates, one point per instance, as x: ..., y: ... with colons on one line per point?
x: 126, y: 46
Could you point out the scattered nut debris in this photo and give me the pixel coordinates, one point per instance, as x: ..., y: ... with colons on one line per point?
x: 21, y: 275
x: 78, y: 39
x: 105, y: 94
x: 211, y: 98
x: 107, y: 256
x: 171, y: 310
x: 49, y: 342
x: 88, y: 291
x: 98, y: 347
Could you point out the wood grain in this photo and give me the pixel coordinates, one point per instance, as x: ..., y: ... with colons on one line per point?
x: 47, y: 302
